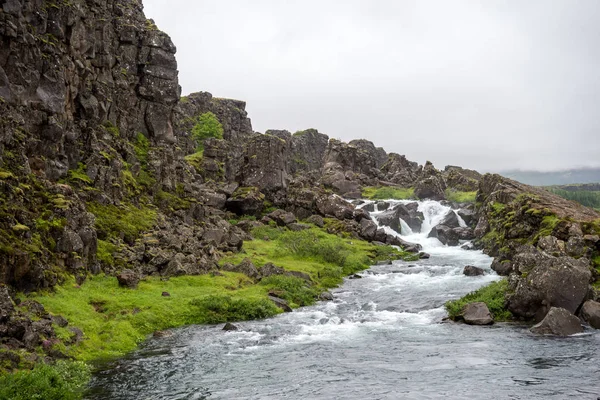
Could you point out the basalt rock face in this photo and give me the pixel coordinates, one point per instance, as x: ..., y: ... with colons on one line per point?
x: 88, y: 92
x: 544, y: 243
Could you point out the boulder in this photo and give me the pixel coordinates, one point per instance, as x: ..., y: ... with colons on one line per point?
x: 477, y: 314
x: 128, y: 278
x: 246, y: 267
x: 464, y: 233
x: 369, y: 207
x: 445, y: 235
x: 230, y: 327
x: 467, y: 215
x: 406, y: 246
x: 408, y: 213
x: 297, y: 227
x: 246, y: 201
x: 450, y: 220
x: 502, y: 267
x: 471, y: 270
x: 335, y: 206
x: 368, y: 229
x: 382, y: 206
x: 552, y: 282
x: 558, y: 322
x: 282, y: 218
x: 326, y: 296
x: 281, y: 303
x: 316, y: 220
x: 430, y: 188
x: 590, y: 312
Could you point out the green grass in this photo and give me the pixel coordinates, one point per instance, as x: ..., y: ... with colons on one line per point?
x: 195, y: 160
x: 207, y: 126
x: 460, y: 197
x: 63, y: 381
x: 548, y: 224
x: 492, y: 295
x: 115, y: 320
x: 388, y: 192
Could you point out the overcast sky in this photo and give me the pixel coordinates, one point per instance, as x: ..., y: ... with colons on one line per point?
x: 490, y: 85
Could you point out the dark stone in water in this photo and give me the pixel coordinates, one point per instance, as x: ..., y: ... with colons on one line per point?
x: 326, y: 296
x: 230, y: 327
x: 558, y: 322
x: 384, y: 262
x: 471, y: 270
x: 477, y: 314
x: 281, y: 303
x: 355, y: 276
x: 423, y: 255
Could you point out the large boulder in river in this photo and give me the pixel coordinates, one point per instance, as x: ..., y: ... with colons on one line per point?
x: 464, y: 233
x: 444, y: 234
x: 558, y: 322
x: 368, y: 229
x: 477, y: 314
x: 546, y: 282
x: 409, y: 214
x: 450, y: 220
x: 406, y: 246
x: 590, y: 312
x: 471, y: 270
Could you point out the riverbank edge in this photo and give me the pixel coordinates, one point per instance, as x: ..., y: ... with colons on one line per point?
x: 131, y: 315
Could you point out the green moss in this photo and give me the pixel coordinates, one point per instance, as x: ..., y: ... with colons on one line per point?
x: 171, y: 201
x: 64, y: 380
x: 111, y: 129
x: 79, y: 174
x: 548, y: 224
x: 195, y: 160
x: 207, y: 126
x: 128, y: 220
x: 460, y: 197
x: 388, y: 192
x: 141, y: 146
x: 20, y: 228
x: 105, y: 252
x: 6, y: 174
x: 493, y: 295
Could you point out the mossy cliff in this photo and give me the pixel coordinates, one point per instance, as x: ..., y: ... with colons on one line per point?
x: 547, y: 246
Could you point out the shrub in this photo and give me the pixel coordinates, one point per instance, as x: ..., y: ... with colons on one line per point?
x: 492, y: 295
x: 294, y: 290
x: 112, y: 221
x: 220, y: 308
x: 207, y: 126
x: 63, y: 381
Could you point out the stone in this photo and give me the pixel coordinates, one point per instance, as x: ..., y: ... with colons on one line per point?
x: 558, y: 322
x: 590, y: 312
x: 450, y: 219
x: 246, y: 267
x: 297, y: 227
x: 281, y: 303
x: 60, y: 320
x: 477, y: 314
x: 424, y: 256
x: 230, y: 327
x: 552, y: 282
x: 502, y: 267
x: 326, y: 296
x: 282, y: 218
x: 445, y: 235
x: 316, y: 220
x: 128, y: 278
x: 407, y: 212
x: 166, y: 294
x: 430, y: 188
x: 471, y: 270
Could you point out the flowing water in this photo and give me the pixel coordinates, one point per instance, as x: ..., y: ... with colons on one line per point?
x: 381, y: 338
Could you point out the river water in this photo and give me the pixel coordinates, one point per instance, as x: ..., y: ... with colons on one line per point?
x: 381, y: 338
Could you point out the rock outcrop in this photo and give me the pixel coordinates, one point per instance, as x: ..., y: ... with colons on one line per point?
x: 558, y: 322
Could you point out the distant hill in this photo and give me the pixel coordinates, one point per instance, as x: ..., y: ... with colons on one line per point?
x: 536, y: 178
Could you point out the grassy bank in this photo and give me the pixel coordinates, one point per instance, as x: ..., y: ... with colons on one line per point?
x: 492, y: 295
x: 114, y: 320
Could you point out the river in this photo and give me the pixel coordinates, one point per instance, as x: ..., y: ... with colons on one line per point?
x: 383, y: 337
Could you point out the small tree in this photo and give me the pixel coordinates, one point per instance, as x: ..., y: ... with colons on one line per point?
x: 207, y: 126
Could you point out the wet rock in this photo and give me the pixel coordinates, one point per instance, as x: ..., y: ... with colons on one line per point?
x: 424, y: 256
x: 281, y: 303
x: 477, y: 314
x: 468, y: 246
x: 467, y: 215
x: 558, y: 322
x: 464, y: 233
x: 382, y: 206
x: 355, y: 276
x: 444, y: 234
x: 368, y: 229
x: 471, y: 270
x: 384, y: 262
x: 590, y: 312
x: 450, y: 220
x: 407, y: 212
x: 230, y: 327
x: 326, y: 296
x: 406, y: 246
x: 128, y: 278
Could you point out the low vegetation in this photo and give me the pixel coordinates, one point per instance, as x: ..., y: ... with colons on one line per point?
x: 588, y: 198
x: 460, y: 197
x: 492, y: 295
x: 388, y: 193
x: 207, y: 126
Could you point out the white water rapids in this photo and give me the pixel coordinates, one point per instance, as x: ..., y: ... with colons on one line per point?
x: 381, y: 338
